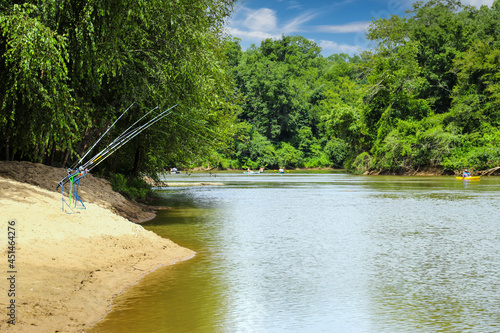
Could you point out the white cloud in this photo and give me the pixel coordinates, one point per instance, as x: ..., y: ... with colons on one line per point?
x: 478, y: 3
x: 294, y: 5
x: 333, y: 47
x: 263, y: 19
x: 253, y: 26
x: 344, y: 28
x: 295, y: 24
x: 251, y: 35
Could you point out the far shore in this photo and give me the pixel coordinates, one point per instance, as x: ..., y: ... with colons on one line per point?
x: 423, y: 171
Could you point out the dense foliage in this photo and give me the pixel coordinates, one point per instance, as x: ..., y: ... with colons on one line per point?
x: 296, y: 105
x: 426, y: 95
x: 70, y: 68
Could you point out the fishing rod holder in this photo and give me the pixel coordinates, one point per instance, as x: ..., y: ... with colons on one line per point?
x: 74, y: 200
x: 79, y: 170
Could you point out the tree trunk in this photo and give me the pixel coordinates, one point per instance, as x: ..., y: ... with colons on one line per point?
x: 114, y: 165
x: 489, y: 171
x: 36, y: 155
x: 137, y: 161
x: 46, y: 153
x: 7, y: 140
x: 7, y: 148
x: 52, y: 153
x: 66, y: 156
x: 43, y: 152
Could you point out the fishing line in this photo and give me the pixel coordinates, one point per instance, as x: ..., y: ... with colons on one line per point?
x: 201, y: 136
x: 110, y: 150
x: 117, y: 143
x: 190, y: 119
x: 95, y: 144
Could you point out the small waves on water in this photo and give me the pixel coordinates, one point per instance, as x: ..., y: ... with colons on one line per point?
x: 323, y: 253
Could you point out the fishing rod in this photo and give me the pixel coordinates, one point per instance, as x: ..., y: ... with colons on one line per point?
x: 76, y: 173
x: 71, y: 171
x: 110, y: 146
x: 95, y: 144
x: 126, y: 131
x: 125, y: 139
x: 121, y: 140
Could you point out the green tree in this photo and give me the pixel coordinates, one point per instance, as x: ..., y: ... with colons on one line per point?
x: 73, y: 66
x: 272, y: 79
x: 443, y: 29
x: 36, y: 104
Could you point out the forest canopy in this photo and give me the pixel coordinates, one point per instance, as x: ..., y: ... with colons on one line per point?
x: 70, y: 68
x: 426, y: 95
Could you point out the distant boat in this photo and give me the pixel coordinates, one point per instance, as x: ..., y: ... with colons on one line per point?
x: 252, y: 172
x: 469, y: 178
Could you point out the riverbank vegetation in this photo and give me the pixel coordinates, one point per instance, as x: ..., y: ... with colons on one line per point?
x: 426, y: 95
x: 70, y: 68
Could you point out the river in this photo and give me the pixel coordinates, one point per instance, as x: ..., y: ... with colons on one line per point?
x: 322, y: 252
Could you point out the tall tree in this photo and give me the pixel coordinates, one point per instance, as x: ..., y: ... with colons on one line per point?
x: 36, y: 102
x: 113, y: 53
x: 275, y: 79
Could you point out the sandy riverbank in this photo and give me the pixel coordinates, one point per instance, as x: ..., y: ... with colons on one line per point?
x: 92, y: 189
x: 70, y: 266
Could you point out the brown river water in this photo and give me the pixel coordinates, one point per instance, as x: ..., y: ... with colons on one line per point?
x: 322, y: 252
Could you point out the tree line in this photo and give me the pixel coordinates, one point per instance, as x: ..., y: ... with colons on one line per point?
x: 426, y: 95
x: 70, y: 68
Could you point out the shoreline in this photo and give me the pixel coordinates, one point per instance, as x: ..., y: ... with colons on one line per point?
x: 110, y: 307
x: 425, y: 171
x: 70, y: 267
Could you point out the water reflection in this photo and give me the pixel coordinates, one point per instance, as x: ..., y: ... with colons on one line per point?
x: 323, y: 253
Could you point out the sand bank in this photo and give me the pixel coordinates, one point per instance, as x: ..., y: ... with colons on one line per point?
x: 92, y: 189
x: 170, y: 184
x: 68, y: 267
x: 158, y: 184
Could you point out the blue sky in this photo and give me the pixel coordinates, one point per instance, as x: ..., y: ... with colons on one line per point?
x: 337, y: 26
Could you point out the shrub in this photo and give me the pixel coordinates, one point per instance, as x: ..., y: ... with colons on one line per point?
x: 362, y: 163
x: 132, y: 188
x: 336, y: 151
x: 288, y: 155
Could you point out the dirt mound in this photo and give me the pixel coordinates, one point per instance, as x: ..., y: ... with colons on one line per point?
x: 92, y: 189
